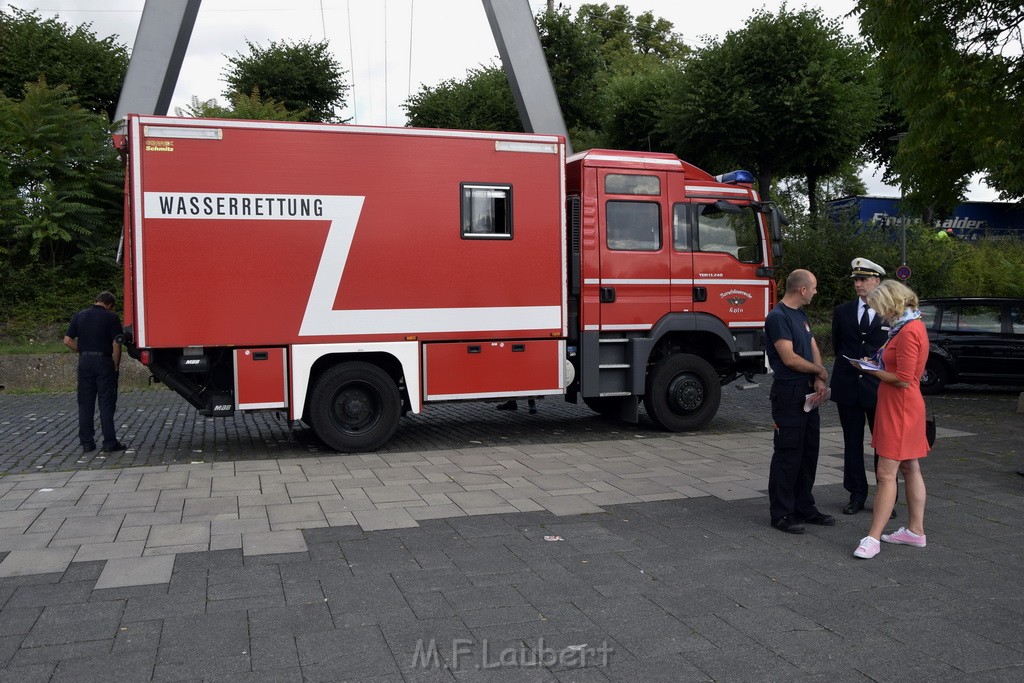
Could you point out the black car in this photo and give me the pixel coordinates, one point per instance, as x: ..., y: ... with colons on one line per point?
x: 977, y: 340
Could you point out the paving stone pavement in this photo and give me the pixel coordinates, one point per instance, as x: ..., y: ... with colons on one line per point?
x: 508, y: 547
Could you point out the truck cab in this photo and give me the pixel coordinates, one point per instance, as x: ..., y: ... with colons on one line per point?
x: 675, y: 280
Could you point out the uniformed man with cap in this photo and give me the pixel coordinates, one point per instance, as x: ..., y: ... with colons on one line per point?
x: 94, y: 334
x: 857, y: 332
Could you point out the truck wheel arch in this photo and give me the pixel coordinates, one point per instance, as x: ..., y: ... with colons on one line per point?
x: 691, y: 325
x: 400, y: 360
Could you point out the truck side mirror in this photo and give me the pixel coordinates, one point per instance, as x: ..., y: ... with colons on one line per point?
x: 727, y: 207
x: 777, y: 220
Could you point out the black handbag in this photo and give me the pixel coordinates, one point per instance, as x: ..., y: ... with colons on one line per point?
x: 929, y: 426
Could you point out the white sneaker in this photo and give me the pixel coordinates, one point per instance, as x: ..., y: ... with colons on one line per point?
x: 867, y: 549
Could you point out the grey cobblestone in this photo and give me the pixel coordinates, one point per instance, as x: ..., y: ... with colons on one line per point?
x: 38, y: 433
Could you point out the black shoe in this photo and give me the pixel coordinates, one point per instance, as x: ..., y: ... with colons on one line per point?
x: 508, y: 405
x: 118, y: 446
x: 853, y: 508
x: 789, y: 524
x: 819, y: 519
x: 88, y: 448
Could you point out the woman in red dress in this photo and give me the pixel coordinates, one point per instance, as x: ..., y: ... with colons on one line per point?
x: 899, y: 434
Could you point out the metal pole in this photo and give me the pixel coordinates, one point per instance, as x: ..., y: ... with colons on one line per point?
x: 903, y: 214
x: 160, y: 44
x: 903, y: 229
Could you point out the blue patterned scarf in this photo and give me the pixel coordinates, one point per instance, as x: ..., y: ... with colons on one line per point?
x: 907, y: 316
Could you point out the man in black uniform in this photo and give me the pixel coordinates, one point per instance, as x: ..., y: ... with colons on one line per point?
x: 857, y: 332
x: 796, y: 361
x: 93, y: 334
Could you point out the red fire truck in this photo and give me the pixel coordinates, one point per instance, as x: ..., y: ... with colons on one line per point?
x: 349, y: 274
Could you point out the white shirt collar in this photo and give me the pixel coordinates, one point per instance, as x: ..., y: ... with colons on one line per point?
x: 861, y: 305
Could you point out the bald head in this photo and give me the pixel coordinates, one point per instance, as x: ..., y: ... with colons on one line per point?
x: 801, y: 286
x: 797, y: 279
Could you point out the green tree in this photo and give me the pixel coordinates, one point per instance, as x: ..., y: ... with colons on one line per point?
x: 633, y: 104
x: 303, y: 76
x: 61, y: 185
x: 955, y: 71
x: 251, y: 107
x: 32, y: 47
x: 585, y: 55
x: 483, y: 101
x: 788, y: 94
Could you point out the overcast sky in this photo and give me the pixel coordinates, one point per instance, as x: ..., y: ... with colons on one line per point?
x: 388, y: 47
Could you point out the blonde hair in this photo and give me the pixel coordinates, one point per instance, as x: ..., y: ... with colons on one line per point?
x: 890, y: 298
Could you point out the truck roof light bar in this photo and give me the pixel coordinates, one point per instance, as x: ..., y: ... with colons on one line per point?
x: 736, y: 178
x: 183, y: 133
x: 510, y: 146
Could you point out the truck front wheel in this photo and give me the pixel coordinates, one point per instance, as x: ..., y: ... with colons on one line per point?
x: 355, y: 407
x: 683, y: 393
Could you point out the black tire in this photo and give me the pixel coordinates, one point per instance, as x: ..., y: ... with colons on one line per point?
x: 606, y: 406
x: 355, y: 407
x: 683, y: 393
x: 935, y: 377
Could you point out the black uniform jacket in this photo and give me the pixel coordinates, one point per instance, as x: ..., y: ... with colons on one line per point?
x: 849, y: 385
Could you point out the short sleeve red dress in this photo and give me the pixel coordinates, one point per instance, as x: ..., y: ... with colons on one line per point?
x: 899, y: 432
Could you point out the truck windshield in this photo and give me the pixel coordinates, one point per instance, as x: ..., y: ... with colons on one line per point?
x: 732, y: 233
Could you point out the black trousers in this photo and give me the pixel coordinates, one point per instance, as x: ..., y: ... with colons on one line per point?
x: 97, y: 379
x: 795, y: 460
x: 855, y: 479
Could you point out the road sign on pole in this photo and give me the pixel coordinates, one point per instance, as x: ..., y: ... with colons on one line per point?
x: 903, y: 272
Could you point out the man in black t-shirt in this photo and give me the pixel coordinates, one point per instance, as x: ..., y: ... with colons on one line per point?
x: 94, y: 334
x: 794, y: 358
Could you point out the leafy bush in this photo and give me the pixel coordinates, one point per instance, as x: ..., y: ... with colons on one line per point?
x: 37, y: 301
x: 985, y: 267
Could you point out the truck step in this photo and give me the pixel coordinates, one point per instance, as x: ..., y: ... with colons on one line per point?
x: 747, y: 385
x: 614, y: 366
x: 615, y: 393
x: 612, y: 340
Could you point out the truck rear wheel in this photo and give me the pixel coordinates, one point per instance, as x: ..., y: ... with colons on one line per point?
x: 355, y: 407
x: 683, y: 393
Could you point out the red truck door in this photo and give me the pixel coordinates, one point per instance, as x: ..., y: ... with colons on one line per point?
x: 635, y: 247
x: 681, y: 252
x: 727, y: 252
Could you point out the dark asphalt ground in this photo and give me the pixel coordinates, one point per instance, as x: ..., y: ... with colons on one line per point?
x: 697, y: 589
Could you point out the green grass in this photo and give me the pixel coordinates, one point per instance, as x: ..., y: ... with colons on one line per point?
x: 11, y: 348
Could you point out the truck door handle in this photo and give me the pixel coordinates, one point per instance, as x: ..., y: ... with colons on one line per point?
x: 700, y: 293
x: 607, y: 295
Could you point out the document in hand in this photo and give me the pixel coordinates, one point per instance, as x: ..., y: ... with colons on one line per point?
x: 865, y: 364
x: 812, y: 401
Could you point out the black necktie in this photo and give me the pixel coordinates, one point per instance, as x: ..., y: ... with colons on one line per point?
x: 865, y: 321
